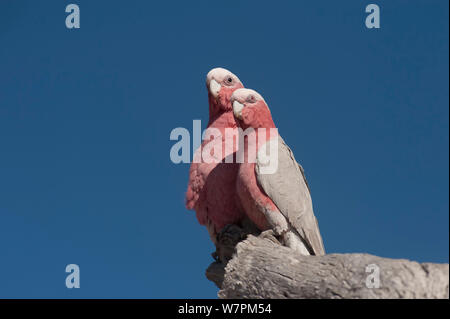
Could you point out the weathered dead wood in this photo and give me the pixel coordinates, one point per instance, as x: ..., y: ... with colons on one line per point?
x: 261, y: 268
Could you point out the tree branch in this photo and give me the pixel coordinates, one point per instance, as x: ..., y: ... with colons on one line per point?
x: 261, y: 268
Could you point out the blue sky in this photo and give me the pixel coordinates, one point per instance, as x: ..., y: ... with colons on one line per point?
x: 85, y: 118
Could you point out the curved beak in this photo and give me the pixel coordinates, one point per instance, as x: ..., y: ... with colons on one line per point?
x: 214, y: 88
x: 237, y: 109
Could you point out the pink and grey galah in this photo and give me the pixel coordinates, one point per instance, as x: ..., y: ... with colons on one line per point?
x: 211, y: 189
x: 279, y: 200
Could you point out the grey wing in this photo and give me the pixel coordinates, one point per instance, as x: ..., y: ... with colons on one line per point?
x: 301, y: 170
x: 288, y: 189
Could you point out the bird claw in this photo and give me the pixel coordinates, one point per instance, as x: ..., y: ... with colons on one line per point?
x: 270, y: 235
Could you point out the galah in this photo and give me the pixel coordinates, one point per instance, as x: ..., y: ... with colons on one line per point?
x: 211, y: 189
x: 280, y: 199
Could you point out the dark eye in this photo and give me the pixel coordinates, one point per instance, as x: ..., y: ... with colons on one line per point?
x: 229, y: 80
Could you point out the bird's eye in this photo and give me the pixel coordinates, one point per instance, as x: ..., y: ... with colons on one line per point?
x: 229, y: 80
x: 251, y: 99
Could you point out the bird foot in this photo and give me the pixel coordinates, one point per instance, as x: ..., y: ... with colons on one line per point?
x: 229, y: 236
x: 227, y: 239
x: 270, y: 235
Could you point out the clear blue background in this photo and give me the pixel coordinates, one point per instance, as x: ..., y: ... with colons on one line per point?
x: 85, y: 118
